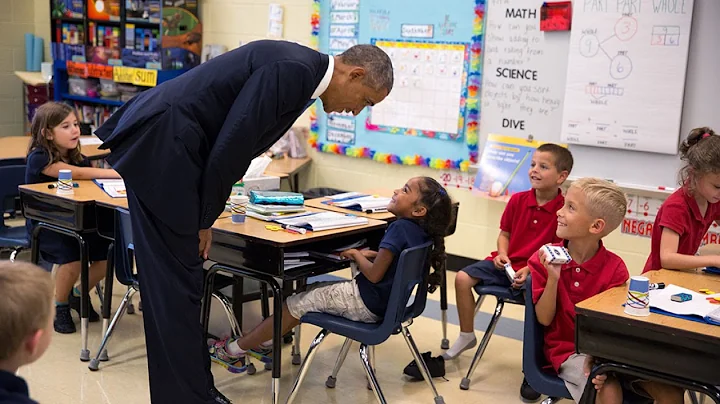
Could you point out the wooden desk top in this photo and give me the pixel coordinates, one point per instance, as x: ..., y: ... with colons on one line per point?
x: 610, y: 303
x: 286, y: 166
x: 34, y: 79
x: 255, y: 229
x: 12, y: 147
x: 86, y: 192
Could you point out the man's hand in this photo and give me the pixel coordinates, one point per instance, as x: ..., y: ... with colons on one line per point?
x: 205, y: 242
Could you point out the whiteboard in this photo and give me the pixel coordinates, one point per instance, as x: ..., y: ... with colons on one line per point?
x: 626, y: 74
x: 631, y: 168
x: 524, y: 73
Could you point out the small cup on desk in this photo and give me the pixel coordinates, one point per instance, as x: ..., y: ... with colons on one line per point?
x: 238, y: 207
x: 65, y: 183
x: 638, y: 297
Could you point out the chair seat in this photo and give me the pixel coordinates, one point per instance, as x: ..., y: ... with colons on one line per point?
x: 14, y: 237
x: 551, y: 385
x: 501, y: 292
x: 366, y: 333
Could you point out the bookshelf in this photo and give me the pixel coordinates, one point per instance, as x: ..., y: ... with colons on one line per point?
x: 107, y: 51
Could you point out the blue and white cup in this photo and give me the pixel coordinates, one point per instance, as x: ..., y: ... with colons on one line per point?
x: 65, y: 183
x: 238, y: 208
x: 638, y: 297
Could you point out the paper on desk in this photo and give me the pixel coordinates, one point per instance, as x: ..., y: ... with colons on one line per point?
x: 88, y: 140
x: 257, y: 167
x: 698, y: 306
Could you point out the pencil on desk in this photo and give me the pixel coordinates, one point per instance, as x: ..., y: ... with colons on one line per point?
x: 512, y: 176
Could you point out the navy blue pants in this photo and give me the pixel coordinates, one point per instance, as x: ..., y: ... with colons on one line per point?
x: 171, y: 283
x: 488, y: 275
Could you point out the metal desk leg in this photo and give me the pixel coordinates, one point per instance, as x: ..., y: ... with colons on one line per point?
x: 278, y: 301
x: 84, y: 274
x: 107, y: 300
x: 445, y: 343
x: 589, y: 394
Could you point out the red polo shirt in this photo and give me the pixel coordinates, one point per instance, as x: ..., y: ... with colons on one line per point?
x: 681, y: 214
x: 530, y: 225
x: 577, y: 283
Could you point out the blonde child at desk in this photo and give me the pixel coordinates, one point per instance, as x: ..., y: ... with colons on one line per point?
x: 424, y: 212
x: 685, y: 217
x: 593, y: 208
x: 55, y: 146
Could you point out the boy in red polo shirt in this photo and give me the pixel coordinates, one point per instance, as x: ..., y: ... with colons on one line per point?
x: 593, y: 208
x: 685, y: 216
x: 527, y: 223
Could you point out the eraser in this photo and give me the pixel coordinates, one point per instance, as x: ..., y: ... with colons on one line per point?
x: 557, y: 254
x: 681, y: 297
x: 510, y: 272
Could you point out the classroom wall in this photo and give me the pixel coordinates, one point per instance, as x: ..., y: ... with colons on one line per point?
x: 17, y: 18
x: 228, y: 22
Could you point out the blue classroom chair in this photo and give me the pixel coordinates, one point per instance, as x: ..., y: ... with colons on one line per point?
x: 15, y: 238
x: 412, y: 271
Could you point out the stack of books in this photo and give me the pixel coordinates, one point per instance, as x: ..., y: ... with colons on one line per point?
x: 271, y: 205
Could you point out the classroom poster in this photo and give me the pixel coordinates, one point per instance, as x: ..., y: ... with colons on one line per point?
x: 626, y: 74
x: 504, y: 166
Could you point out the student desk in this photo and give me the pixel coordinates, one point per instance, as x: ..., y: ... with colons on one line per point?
x: 289, y: 168
x: 660, y: 347
x: 12, y: 147
x: 252, y: 251
x: 69, y: 215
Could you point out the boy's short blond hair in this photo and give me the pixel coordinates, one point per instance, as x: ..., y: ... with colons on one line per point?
x: 604, y: 200
x: 26, y: 296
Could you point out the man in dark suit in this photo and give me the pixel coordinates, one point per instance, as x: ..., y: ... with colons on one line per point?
x: 182, y: 145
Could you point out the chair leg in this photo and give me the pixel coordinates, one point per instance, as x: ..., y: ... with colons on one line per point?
x: 421, y: 363
x: 14, y: 253
x: 479, y: 303
x: 370, y: 373
x: 465, y: 383
x: 551, y: 400
x: 99, y: 291
x: 296, y: 357
x: 332, y: 379
x: 229, y: 313
x: 306, y: 364
x: 95, y: 363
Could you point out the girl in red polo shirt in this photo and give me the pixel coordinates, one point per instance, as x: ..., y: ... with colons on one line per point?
x: 685, y: 217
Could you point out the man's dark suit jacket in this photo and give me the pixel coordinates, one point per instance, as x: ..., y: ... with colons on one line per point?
x: 182, y: 145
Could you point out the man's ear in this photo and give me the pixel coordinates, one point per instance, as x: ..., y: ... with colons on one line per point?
x: 357, y: 73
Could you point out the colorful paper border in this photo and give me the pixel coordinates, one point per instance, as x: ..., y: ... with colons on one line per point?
x: 471, y: 123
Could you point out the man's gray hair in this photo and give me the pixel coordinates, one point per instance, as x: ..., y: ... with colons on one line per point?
x: 377, y: 64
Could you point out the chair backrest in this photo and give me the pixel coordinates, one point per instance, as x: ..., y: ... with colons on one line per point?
x: 13, y: 162
x: 534, y: 360
x: 124, y: 247
x: 11, y: 176
x: 412, y: 270
x: 453, y: 223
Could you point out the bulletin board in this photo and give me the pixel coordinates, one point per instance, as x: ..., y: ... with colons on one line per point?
x: 431, y: 116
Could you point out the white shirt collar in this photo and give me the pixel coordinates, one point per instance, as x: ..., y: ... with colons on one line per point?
x: 325, y: 82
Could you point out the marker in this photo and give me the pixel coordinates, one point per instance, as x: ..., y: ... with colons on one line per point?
x: 654, y: 286
x: 376, y: 210
x: 75, y: 185
x: 294, y: 229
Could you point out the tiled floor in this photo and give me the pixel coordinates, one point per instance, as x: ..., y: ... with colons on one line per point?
x: 60, y: 378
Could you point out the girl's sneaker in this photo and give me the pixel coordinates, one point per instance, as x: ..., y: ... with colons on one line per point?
x: 263, y: 353
x: 220, y: 355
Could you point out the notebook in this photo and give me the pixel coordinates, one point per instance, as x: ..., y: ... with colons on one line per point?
x: 324, y: 221
x: 271, y: 217
x: 269, y: 209
x: 345, y: 196
x: 114, y: 188
x: 698, y: 309
x: 368, y: 203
